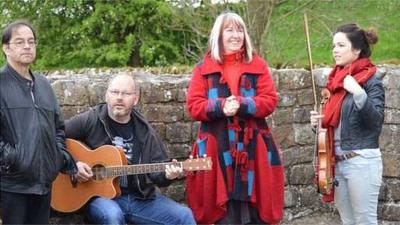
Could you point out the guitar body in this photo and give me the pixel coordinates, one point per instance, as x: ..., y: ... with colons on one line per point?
x: 67, y: 198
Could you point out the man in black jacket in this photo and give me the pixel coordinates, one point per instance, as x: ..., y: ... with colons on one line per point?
x: 32, y: 150
x: 118, y: 123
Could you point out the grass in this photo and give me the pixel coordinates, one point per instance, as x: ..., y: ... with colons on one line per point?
x: 286, y: 43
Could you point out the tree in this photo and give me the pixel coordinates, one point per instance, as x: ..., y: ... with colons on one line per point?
x: 57, y: 23
x: 129, y: 33
x: 259, y: 13
x: 90, y: 33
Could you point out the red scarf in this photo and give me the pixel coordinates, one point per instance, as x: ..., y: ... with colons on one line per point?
x: 361, y: 69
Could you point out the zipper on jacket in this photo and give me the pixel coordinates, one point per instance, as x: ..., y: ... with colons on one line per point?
x: 342, y: 130
x: 41, y: 168
x: 137, y: 176
x: 30, y: 84
x: 105, y: 127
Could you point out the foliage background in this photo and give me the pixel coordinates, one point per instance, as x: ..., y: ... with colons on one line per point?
x: 119, y: 33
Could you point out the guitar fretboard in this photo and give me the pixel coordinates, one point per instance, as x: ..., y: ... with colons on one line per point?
x: 115, y: 171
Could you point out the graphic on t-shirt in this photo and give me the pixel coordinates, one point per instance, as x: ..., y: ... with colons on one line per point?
x: 125, y: 144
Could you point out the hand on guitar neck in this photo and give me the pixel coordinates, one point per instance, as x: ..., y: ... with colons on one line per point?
x: 173, y: 172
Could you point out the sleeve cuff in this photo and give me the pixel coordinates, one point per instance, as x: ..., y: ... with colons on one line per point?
x: 360, y: 99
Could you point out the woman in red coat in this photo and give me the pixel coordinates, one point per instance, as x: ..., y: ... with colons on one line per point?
x: 230, y: 93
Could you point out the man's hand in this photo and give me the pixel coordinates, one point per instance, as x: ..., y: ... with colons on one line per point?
x: 351, y: 85
x: 231, y: 106
x: 173, y: 172
x: 84, y: 172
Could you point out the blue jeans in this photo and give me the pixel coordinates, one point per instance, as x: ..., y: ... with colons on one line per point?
x: 356, y: 197
x: 127, y: 208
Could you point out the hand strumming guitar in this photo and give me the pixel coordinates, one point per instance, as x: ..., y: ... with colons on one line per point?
x: 84, y: 172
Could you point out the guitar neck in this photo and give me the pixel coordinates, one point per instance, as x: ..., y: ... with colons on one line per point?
x: 115, y: 171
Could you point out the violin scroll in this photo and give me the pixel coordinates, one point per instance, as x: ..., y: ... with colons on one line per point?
x: 325, y: 95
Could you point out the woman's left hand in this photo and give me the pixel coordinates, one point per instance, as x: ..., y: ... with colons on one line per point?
x: 351, y: 85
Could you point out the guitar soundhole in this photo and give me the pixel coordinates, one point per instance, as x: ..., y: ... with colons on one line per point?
x: 99, y: 172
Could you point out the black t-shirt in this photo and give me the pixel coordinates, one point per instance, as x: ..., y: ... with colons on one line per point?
x: 123, y: 136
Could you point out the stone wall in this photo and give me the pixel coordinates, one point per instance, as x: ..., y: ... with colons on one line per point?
x: 162, y: 101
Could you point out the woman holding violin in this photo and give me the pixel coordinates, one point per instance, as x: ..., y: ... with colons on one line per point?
x: 353, y: 116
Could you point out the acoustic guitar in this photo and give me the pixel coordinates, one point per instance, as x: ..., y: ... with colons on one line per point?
x: 108, y: 163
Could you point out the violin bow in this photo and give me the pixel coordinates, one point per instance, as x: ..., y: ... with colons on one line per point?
x: 324, y: 179
x: 313, y: 84
x: 310, y: 61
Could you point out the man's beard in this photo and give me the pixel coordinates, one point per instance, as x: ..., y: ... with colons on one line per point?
x: 120, y: 113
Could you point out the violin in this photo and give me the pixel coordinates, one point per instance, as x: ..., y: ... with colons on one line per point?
x: 323, y: 161
x: 324, y: 170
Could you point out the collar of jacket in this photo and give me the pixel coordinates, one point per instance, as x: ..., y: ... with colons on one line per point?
x: 141, y: 126
x: 209, y: 66
x: 17, y: 76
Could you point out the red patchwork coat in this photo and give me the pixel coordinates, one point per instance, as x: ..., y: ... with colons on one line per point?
x: 247, y: 165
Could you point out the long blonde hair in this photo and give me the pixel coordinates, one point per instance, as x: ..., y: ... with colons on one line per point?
x: 215, y: 40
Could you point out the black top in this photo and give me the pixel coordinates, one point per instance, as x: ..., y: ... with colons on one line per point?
x: 32, y: 150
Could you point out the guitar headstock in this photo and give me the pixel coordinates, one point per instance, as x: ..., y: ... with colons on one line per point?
x: 197, y: 164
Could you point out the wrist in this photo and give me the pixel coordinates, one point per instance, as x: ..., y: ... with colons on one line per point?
x: 358, y: 91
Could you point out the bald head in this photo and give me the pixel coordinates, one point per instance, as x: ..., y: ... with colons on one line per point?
x: 120, y: 79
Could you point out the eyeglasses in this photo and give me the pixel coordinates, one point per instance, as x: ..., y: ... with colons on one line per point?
x: 21, y: 43
x: 123, y: 93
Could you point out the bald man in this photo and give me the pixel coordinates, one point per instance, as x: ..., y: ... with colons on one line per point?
x: 118, y: 123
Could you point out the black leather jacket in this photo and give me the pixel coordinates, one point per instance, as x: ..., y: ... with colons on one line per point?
x: 360, y: 128
x: 32, y: 150
x: 91, y: 128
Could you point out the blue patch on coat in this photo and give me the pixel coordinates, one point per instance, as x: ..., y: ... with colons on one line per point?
x: 213, y: 93
x: 248, y: 93
x: 202, y: 146
x: 227, y: 158
x: 240, y: 146
x: 250, y: 179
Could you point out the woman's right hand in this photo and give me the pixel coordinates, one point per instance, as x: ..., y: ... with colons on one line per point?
x: 231, y: 106
x: 314, y: 118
